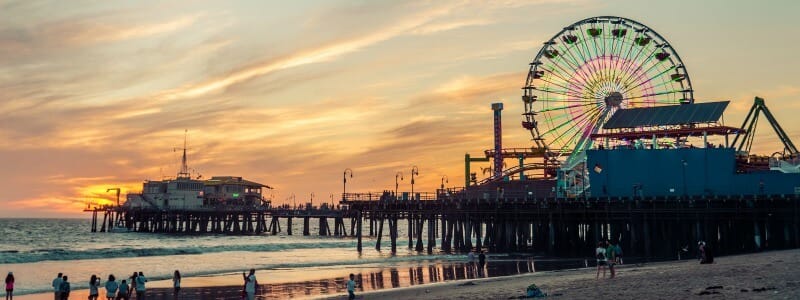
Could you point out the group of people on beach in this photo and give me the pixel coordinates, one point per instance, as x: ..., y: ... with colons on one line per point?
x: 114, y: 290
x: 609, y: 254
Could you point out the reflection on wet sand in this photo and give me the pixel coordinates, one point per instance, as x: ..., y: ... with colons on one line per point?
x: 383, y: 278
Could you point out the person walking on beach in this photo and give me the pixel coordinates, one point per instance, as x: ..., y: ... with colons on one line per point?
x: 57, y: 286
x: 611, y: 257
x: 351, y: 287
x: 482, y: 259
x: 65, y: 288
x: 10, y: 286
x: 617, y: 253
x: 124, y: 291
x: 94, y: 285
x: 111, y: 287
x: 140, y: 288
x: 600, y: 253
x: 250, y: 284
x: 132, y: 284
x: 176, y: 283
x: 471, y: 257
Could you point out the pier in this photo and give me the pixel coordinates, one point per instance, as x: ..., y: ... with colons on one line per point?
x: 507, y: 221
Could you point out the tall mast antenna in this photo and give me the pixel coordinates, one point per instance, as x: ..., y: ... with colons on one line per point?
x: 184, y: 173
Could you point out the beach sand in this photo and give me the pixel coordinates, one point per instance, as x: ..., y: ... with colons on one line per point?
x: 768, y: 275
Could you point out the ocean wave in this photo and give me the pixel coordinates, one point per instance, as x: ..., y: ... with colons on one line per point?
x: 58, y: 254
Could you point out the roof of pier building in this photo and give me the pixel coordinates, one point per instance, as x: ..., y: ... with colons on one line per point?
x: 684, y: 114
x: 233, y: 180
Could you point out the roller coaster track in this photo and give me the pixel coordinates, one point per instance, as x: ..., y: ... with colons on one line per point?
x: 516, y: 170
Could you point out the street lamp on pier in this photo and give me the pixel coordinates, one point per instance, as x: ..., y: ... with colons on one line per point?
x: 684, y: 164
x: 414, y: 171
x: 312, y: 201
x: 344, y: 179
x: 445, y: 180
x: 396, y: 184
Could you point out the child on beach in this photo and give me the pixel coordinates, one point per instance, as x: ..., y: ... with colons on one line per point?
x: 94, y: 284
x: 351, y: 287
x: 600, y: 253
x: 111, y: 287
x: 133, y: 284
x: 123, y: 291
x: 611, y: 258
x: 250, y: 284
x: 10, y: 286
x: 176, y: 283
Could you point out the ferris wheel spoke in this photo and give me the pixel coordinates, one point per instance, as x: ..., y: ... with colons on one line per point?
x: 578, y: 65
x: 566, y: 100
x: 558, y: 70
x: 592, y: 63
x: 618, y: 63
x: 624, y: 66
x: 563, y: 93
x: 568, y: 121
x: 653, y: 94
x: 568, y: 69
x: 588, y: 119
x: 580, y: 84
x: 565, y: 107
x: 566, y: 88
x: 655, y: 64
x: 650, y: 79
x: 567, y: 137
x: 637, y: 68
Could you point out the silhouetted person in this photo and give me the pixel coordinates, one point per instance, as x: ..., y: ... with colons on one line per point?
x: 140, y: 288
x: 176, y: 283
x: 65, y: 288
x: 10, y: 286
x: 351, y: 287
x: 57, y: 286
x: 94, y: 285
x: 250, y: 284
x: 111, y: 287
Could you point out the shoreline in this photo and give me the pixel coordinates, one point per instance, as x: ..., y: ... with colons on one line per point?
x: 765, y: 275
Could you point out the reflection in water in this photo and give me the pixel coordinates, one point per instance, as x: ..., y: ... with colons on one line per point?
x: 369, y: 281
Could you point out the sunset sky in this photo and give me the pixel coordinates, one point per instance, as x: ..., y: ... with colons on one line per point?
x: 97, y: 94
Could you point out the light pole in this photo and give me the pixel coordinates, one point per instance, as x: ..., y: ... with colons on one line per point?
x: 684, y: 164
x: 114, y: 189
x: 414, y: 171
x: 396, y: 184
x: 312, y: 200
x: 445, y: 180
x: 331, y: 202
x: 344, y: 179
x: 294, y: 201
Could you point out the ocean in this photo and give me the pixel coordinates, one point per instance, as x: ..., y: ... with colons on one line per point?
x: 37, y: 249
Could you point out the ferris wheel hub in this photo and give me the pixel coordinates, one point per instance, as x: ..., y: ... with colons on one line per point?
x: 613, y: 100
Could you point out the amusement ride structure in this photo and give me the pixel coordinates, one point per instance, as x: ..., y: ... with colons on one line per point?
x: 607, y: 83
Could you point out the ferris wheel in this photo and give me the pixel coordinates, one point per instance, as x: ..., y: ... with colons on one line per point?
x: 592, y: 68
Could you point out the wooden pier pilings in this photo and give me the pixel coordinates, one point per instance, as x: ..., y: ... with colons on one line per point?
x: 658, y: 227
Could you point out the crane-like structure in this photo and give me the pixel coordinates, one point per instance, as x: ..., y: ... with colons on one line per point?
x: 743, y: 141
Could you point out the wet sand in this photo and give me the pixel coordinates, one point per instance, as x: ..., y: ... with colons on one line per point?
x: 769, y: 275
